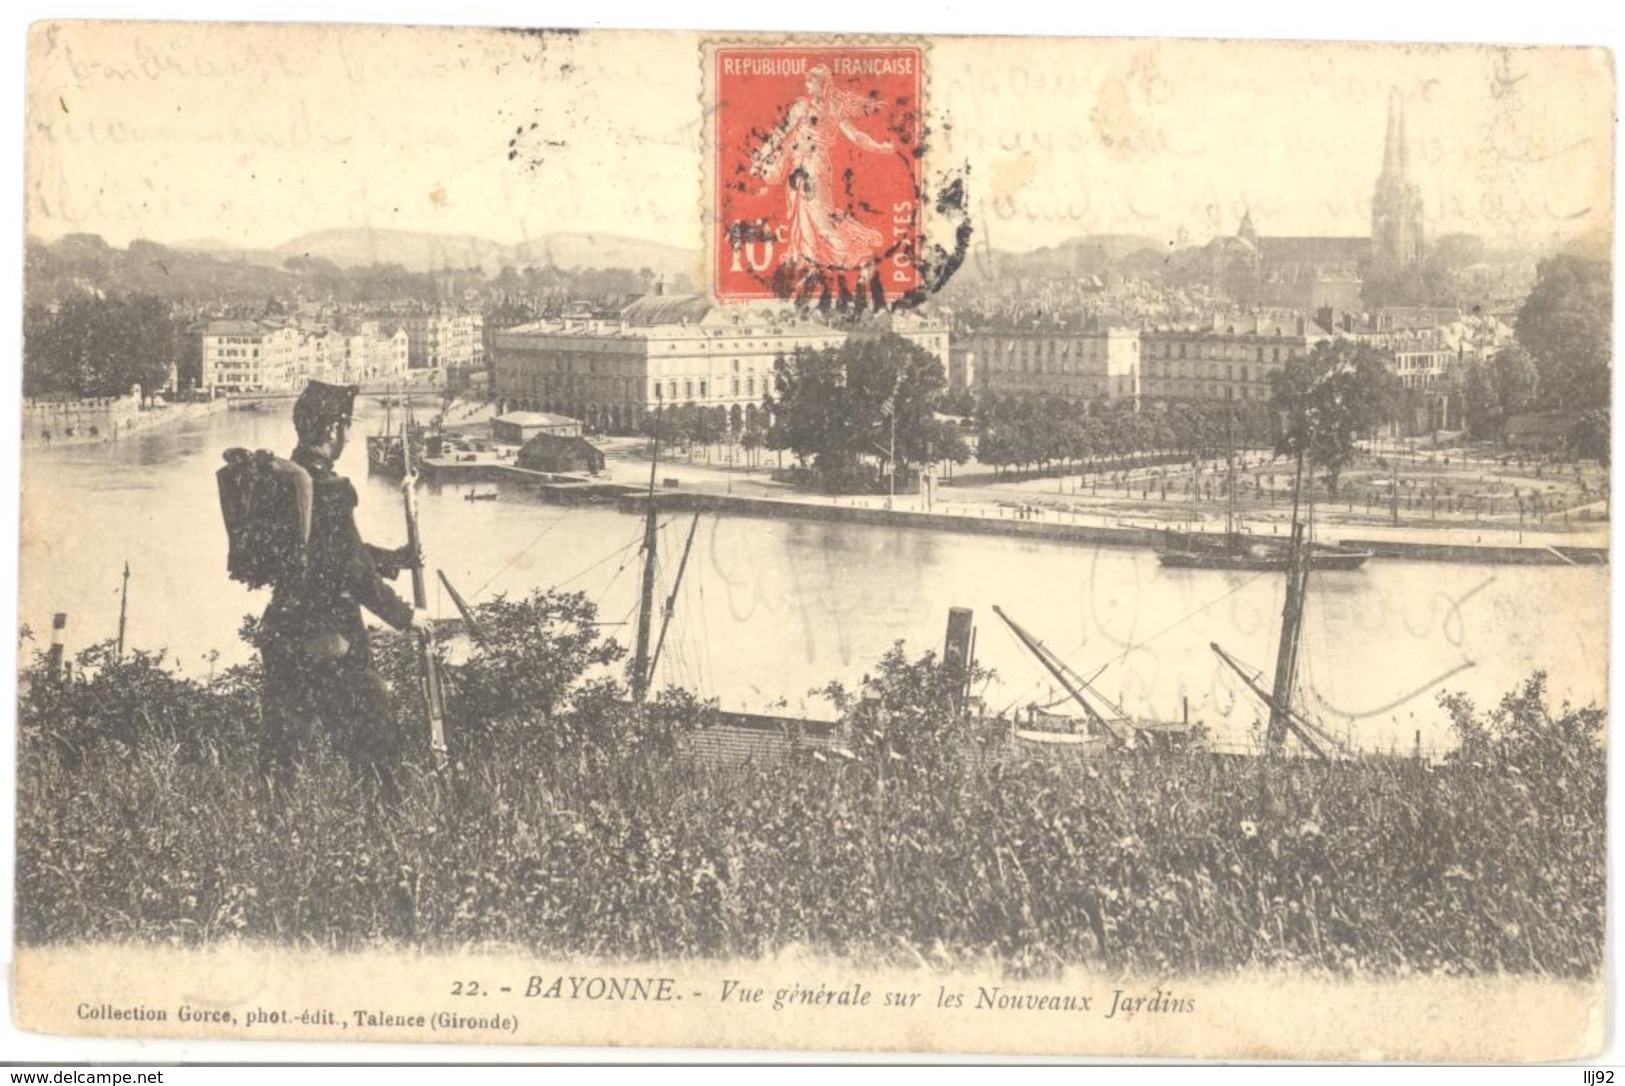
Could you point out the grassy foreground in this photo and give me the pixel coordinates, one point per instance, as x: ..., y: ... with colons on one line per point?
x: 571, y: 827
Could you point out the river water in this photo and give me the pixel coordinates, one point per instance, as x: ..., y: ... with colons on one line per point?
x: 771, y: 609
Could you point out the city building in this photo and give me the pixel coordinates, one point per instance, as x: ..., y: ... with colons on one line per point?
x: 445, y: 341
x: 1099, y: 364
x: 671, y: 350
x: 247, y: 356
x: 558, y: 454
x: 518, y: 427
x: 1231, y: 359
x: 1428, y: 350
x: 265, y: 356
x: 377, y: 352
x: 1423, y: 359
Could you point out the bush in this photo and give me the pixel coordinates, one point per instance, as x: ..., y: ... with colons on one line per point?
x: 588, y: 830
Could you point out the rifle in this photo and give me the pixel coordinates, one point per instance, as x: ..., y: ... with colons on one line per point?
x: 428, y: 669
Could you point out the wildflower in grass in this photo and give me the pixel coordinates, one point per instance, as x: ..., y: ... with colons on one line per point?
x: 632, y: 848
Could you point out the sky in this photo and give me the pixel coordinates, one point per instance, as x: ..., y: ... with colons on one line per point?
x: 251, y: 136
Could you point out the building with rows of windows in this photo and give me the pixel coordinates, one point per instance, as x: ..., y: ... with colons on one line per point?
x: 670, y: 350
x: 1074, y: 365
x: 1230, y: 361
x: 1231, y: 358
x: 247, y: 356
x: 264, y: 356
x: 445, y: 341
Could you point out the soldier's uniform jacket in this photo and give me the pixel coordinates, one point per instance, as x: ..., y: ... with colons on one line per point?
x: 341, y: 574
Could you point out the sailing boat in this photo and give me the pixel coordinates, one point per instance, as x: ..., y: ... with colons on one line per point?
x: 1283, y: 717
x: 1239, y: 550
x: 386, y: 449
x: 1107, y: 725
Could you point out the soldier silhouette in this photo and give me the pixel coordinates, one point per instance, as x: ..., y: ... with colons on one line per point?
x: 313, y: 644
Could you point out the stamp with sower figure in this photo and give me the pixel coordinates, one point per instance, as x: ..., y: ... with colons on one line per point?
x: 819, y: 167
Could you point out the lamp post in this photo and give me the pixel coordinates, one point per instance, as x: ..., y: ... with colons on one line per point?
x: 889, y: 408
x: 891, y: 457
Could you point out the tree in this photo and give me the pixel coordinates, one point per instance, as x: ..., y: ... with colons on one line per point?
x: 1513, y: 380
x: 101, y: 347
x: 1480, y: 408
x: 188, y: 360
x: 871, y: 397
x: 1592, y: 435
x: 751, y: 441
x: 1494, y: 391
x: 666, y: 423
x: 943, y: 441
x: 529, y: 657
x: 1338, y: 391
x: 909, y: 721
x: 1565, y: 324
x: 1562, y: 749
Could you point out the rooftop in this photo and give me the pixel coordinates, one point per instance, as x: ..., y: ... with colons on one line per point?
x: 235, y: 328
x: 653, y: 310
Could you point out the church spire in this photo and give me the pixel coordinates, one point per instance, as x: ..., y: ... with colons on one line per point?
x: 1396, y: 203
x: 1395, y: 160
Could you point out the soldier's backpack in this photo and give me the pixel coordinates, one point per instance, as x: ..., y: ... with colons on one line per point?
x: 266, y: 502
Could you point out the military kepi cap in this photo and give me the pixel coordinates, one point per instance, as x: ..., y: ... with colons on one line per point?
x: 322, y: 402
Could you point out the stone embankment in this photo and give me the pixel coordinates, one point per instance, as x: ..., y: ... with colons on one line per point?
x: 48, y: 423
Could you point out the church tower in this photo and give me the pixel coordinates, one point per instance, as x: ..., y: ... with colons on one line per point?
x: 1396, y: 205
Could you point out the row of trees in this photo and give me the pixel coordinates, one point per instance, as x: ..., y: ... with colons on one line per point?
x: 875, y: 400
x: 1319, y: 405
x: 93, y: 347
x: 1028, y: 434
x: 689, y: 426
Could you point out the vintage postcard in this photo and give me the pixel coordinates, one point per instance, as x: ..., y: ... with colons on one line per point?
x: 815, y: 542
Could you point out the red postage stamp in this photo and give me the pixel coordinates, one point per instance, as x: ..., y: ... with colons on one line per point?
x: 818, y: 173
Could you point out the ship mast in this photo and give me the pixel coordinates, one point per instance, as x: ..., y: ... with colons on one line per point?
x: 1286, y: 660
x: 640, y: 658
x: 1283, y: 718
x: 671, y: 599
x: 123, y: 609
x: 1300, y: 557
x: 1230, y: 483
